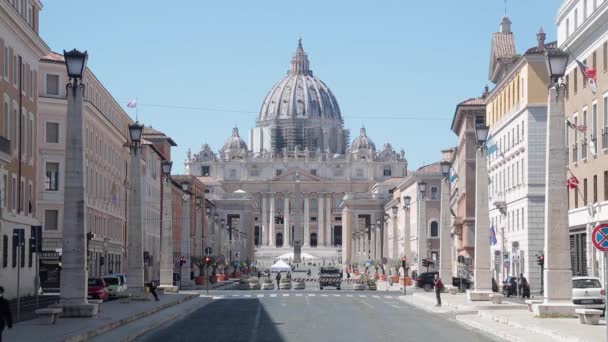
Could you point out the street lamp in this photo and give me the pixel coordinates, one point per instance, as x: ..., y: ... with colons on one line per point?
x: 445, y: 168
x: 557, y: 61
x: 422, y: 188
x: 166, y: 166
x: 166, y: 240
x: 75, y: 62
x: 198, y: 200
x: 445, y: 240
x: 481, y: 134
x: 406, y: 202
x: 135, y: 131
x: 185, y: 186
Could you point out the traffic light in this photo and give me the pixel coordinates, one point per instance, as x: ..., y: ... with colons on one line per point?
x: 540, y: 260
x: 425, y: 262
x: 182, y: 261
x: 403, y: 262
x: 207, y: 261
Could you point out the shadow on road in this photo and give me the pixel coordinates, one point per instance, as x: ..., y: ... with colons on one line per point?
x: 222, y: 320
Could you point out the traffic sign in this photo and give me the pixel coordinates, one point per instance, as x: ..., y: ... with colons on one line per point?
x: 600, y: 237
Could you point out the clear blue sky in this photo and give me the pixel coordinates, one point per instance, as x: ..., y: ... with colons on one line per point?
x: 384, y: 60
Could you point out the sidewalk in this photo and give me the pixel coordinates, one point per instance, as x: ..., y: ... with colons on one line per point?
x: 510, y: 321
x: 113, y: 315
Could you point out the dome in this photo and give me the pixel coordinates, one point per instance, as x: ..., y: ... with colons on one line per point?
x: 362, y: 142
x: 235, y: 143
x: 299, y: 94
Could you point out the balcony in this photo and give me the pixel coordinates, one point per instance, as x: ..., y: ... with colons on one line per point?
x: 5, y: 145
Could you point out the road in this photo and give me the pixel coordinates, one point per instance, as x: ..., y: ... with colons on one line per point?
x: 311, y: 316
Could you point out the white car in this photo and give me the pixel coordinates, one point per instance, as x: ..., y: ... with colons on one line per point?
x: 588, y: 292
x: 117, y: 284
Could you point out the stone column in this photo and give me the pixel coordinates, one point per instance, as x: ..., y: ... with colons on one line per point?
x: 422, y: 239
x: 264, y: 233
x: 320, y: 222
x: 445, y: 242
x: 407, y: 246
x: 74, y: 258
x: 395, y: 236
x: 185, y: 242
x: 558, y: 275
x: 271, y: 233
x: 287, y: 222
x: 198, y: 232
x: 482, y: 272
x: 328, y: 220
x: 166, y: 250
x: 347, y: 238
x: 306, y: 220
x: 135, y: 239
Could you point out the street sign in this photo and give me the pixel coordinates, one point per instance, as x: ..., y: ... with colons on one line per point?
x: 600, y: 237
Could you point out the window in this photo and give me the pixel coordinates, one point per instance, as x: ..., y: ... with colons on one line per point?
x: 594, y: 60
x: 232, y: 174
x: 254, y: 171
x: 52, y: 132
x: 313, y: 172
x: 567, y: 27
x: 594, y: 121
x: 359, y: 173
x: 5, y: 123
x: 14, y: 193
x: 313, y: 203
x: 434, y: 229
x: 594, y: 188
x: 51, y: 219
x: 585, y: 9
x: 30, y: 134
x: 585, y: 191
x: 15, y: 67
x: 575, y: 79
x: 30, y: 197
x: 6, y: 61
x: 387, y: 171
x: 434, y: 193
x: 15, y: 124
x: 206, y: 171
x: 52, y: 176
x: 575, y: 19
x: 278, y: 172
x: 22, y: 196
x: 338, y: 171
x: 52, y: 84
x: 313, y: 219
x: 4, y: 251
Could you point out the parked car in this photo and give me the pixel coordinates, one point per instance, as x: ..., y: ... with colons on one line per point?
x: 97, y: 289
x: 466, y: 283
x: 588, y: 292
x: 509, y: 287
x: 117, y: 283
x: 425, y: 280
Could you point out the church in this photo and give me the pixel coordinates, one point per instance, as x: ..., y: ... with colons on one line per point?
x: 285, y: 186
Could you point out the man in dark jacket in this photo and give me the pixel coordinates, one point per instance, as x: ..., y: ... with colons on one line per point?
x: 278, y: 278
x: 5, y: 313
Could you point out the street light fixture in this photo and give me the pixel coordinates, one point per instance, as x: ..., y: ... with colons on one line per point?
x: 185, y: 186
x: 166, y: 166
x: 481, y: 133
x: 135, y: 131
x: 422, y: 188
x: 445, y: 168
x: 395, y: 210
x: 198, y: 200
x: 406, y: 202
x: 557, y: 61
x: 75, y: 62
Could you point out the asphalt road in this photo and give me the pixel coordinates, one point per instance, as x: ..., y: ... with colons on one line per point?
x: 327, y: 315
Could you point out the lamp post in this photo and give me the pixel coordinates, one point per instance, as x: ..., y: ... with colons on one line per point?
x: 185, y: 234
x: 557, y: 273
x: 407, y: 248
x: 73, y: 286
x: 445, y: 240
x: 395, y: 232
x: 166, y: 233
x: 422, y: 231
x: 135, y: 239
x: 198, y: 227
x: 482, y: 271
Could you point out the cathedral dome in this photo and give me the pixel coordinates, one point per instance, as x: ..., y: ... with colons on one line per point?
x: 362, y: 142
x: 234, y: 142
x: 299, y: 94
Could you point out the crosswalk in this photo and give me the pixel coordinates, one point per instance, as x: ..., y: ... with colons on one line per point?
x: 283, y: 295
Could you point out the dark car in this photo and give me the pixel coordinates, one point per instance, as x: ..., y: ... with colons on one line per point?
x: 98, y: 289
x: 425, y: 280
x: 466, y: 283
x: 509, y: 287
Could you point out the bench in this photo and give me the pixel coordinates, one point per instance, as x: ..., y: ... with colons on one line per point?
x: 53, y: 313
x: 98, y: 302
x: 589, y: 316
x: 496, y: 298
x: 531, y: 302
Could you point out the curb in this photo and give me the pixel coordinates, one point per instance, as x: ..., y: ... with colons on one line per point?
x: 462, y: 319
x: 113, y: 325
x: 528, y: 327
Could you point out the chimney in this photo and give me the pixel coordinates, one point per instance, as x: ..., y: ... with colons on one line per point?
x: 540, y: 37
x: 505, y: 25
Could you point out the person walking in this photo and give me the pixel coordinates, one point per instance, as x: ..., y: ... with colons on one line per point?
x: 153, y: 288
x: 438, y: 288
x: 5, y: 313
x: 524, y: 287
x: 278, y: 280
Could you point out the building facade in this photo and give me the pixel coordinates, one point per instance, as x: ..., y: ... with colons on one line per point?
x: 516, y: 112
x: 297, y: 167
x: 582, y: 29
x: 21, y: 47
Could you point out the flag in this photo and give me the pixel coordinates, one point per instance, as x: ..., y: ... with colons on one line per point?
x: 580, y: 128
x: 491, y: 145
x: 589, y: 74
x: 132, y: 104
x: 453, y: 175
x: 492, y: 236
x: 572, y: 182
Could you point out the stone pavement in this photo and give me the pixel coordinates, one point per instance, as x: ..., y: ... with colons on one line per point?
x: 510, y: 321
x: 113, y: 315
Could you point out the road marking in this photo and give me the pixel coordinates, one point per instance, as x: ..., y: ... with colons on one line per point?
x: 324, y: 295
x: 376, y: 296
x: 248, y: 296
x: 298, y: 295
x: 366, y: 303
x: 235, y: 295
x: 362, y: 296
x: 260, y: 296
x: 311, y: 295
x: 256, y: 324
x: 273, y: 295
x: 336, y: 295
x: 387, y: 297
x: 349, y: 296
x: 285, y: 295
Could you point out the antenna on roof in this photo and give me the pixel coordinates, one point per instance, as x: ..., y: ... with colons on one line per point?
x: 505, y: 8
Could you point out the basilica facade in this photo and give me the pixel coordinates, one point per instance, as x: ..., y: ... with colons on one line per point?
x: 286, y: 185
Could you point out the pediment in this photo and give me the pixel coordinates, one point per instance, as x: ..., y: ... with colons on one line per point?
x: 303, y: 175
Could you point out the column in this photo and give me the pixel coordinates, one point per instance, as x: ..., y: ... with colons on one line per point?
x: 347, y: 238
x: 320, y: 222
x: 264, y: 233
x: 445, y: 241
x: 166, y: 249
x: 135, y: 239
x: 271, y: 233
x: 198, y: 232
x: 287, y: 223
x: 396, y: 236
x: 306, y: 220
x: 328, y: 220
x: 185, y: 242
x: 422, y: 231
x: 482, y: 272
x: 74, y: 259
x: 407, y: 247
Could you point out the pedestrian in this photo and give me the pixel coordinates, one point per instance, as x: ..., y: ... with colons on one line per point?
x: 347, y: 275
x: 153, y: 288
x: 278, y: 280
x: 259, y: 275
x: 5, y: 313
x: 524, y: 287
x: 438, y: 288
x: 288, y: 275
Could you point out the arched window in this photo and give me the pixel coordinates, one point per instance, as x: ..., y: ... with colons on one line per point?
x: 434, y: 229
x: 313, y: 240
x: 279, y: 240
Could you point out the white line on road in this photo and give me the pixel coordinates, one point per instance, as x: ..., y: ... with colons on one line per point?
x: 349, y: 296
x: 260, y: 296
x: 323, y: 295
x: 285, y: 295
x: 273, y: 295
x: 362, y: 296
x: 235, y: 295
x: 376, y: 296
x: 311, y: 295
x: 256, y: 324
x: 248, y: 296
x: 366, y: 303
x: 298, y: 295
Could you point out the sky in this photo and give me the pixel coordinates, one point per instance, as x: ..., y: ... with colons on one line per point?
x: 199, y: 67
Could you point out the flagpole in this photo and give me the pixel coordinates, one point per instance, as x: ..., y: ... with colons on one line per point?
x: 136, y: 110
